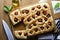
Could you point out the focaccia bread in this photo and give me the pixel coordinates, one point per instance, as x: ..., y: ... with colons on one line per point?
x: 37, y: 18
x: 37, y: 10
x: 15, y: 16
x: 36, y: 28
x: 22, y: 34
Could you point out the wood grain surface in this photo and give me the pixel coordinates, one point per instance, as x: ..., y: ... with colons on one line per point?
x: 4, y: 16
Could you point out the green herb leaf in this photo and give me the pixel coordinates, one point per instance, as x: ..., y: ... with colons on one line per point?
x: 59, y: 5
x: 6, y: 9
x: 10, y: 7
x: 56, y: 6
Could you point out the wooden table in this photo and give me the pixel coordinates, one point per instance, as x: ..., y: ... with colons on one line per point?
x: 4, y: 16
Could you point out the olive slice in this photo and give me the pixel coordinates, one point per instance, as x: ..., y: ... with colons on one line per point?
x: 15, y: 19
x: 48, y: 15
x: 47, y: 26
x: 35, y: 29
x: 31, y: 32
x: 25, y: 11
x: 45, y: 19
x: 33, y: 8
x: 33, y: 16
x: 45, y: 6
x: 38, y: 13
x: 25, y: 34
x: 41, y: 27
x: 49, y: 23
x: 29, y: 19
x: 16, y: 13
x: 40, y: 20
x: 44, y: 12
x: 20, y: 33
x: 34, y: 24
x: 38, y: 6
x: 29, y: 26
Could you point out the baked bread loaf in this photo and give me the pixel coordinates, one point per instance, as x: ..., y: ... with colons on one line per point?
x: 15, y: 16
x: 36, y: 11
x: 22, y: 34
x: 37, y: 28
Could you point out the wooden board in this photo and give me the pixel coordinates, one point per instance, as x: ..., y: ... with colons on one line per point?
x: 21, y: 25
x: 4, y: 16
